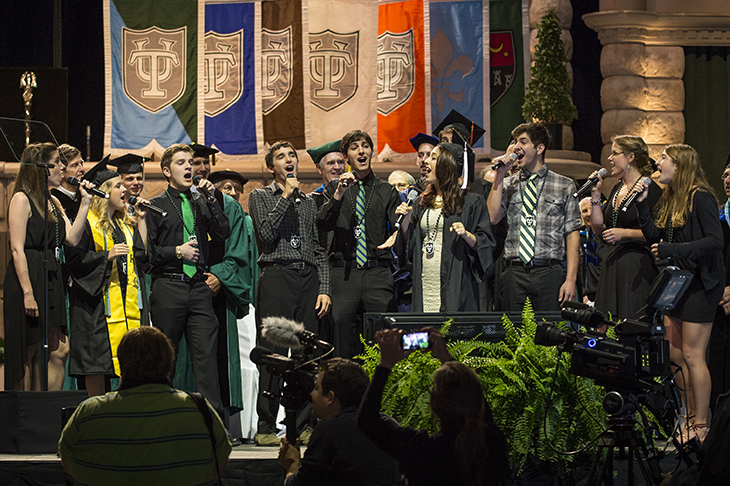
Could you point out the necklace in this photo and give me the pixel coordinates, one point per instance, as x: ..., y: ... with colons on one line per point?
x: 617, y: 207
x: 358, y: 230
x: 193, y: 236
x: 670, y: 228
x: 57, y: 227
x: 429, y: 245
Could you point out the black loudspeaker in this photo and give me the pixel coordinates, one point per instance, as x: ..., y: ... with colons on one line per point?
x: 486, y: 326
x: 32, y: 421
x: 50, y: 102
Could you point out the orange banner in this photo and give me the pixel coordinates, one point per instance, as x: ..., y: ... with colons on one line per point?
x: 401, y: 74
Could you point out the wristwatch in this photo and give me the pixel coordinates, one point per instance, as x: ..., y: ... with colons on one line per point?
x: 178, y: 252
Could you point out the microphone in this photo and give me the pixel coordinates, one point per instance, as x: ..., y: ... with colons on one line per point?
x: 297, y: 193
x: 276, y: 363
x: 346, y: 183
x: 291, y: 334
x: 634, y: 195
x: 412, y: 195
x: 590, y: 183
x: 148, y: 206
x: 203, y: 191
x: 96, y: 192
x: 501, y: 163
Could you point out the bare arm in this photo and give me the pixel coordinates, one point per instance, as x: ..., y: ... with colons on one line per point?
x: 572, y: 246
x: 18, y: 215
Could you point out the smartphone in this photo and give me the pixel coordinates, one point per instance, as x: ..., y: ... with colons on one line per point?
x: 415, y: 340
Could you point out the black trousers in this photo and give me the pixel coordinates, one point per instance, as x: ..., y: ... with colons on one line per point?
x: 290, y: 293
x: 355, y: 292
x: 540, y: 284
x: 186, y: 308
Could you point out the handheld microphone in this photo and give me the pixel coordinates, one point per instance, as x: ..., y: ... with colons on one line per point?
x: 501, y: 163
x: 590, y: 183
x: 412, y: 195
x: 276, y: 363
x: 203, y: 191
x: 634, y: 195
x: 148, y: 206
x: 96, y: 192
x: 297, y: 193
x: 291, y: 334
x: 346, y: 183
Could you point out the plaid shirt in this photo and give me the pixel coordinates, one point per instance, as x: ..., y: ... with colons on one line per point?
x: 276, y: 220
x: 557, y: 213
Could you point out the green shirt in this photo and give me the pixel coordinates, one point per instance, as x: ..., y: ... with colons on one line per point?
x: 150, y: 434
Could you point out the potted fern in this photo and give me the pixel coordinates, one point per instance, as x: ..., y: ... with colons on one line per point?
x: 517, y: 376
x: 548, y: 97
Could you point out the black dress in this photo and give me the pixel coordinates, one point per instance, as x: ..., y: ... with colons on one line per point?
x: 22, y: 331
x: 628, y: 269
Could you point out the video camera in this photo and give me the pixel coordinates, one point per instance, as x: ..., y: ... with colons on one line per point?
x: 298, y: 372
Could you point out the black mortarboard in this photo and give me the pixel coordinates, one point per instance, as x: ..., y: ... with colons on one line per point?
x: 99, y: 174
x: 458, y: 152
x: 129, y: 163
x: 222, y: 175
x: 422, y: 138
x: 317, y: 153
x: 468, y: 131
x: 203, y: 151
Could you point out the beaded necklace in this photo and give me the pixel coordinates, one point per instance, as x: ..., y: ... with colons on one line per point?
x: 616, y: 208
x: 193, y: 236
x: 429, y: 245
x: 360, y: 222
x: 670, y: 228
x: 57, y: 215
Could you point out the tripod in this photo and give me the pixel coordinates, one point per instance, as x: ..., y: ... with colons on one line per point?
x: 622, y: 435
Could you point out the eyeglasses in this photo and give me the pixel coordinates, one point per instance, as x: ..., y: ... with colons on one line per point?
x: 725, y: 175
x: 401, y: 185
x: 614, y: 154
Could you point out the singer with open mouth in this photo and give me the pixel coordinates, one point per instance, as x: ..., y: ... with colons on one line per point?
x: 450, y: 240
x: 294, y: 280
x: 176, y: 250
x: 544, y: 225
x: 628, y: 269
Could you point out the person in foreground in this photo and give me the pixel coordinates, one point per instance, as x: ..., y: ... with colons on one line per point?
x: 145, y: 432
x: 469, y: 449
x: 338, y: 453
x: 687, y: 231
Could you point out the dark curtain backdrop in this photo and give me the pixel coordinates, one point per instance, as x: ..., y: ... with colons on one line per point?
x: 707, y: 109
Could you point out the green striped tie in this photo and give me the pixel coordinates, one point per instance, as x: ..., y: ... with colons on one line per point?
x: 528, y: 221
x: 361, y: 252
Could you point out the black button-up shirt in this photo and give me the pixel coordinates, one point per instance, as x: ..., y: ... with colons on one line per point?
x: 164, y: 234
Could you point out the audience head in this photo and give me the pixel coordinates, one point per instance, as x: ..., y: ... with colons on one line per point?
x: 145, y: 356
x: 341, y: 384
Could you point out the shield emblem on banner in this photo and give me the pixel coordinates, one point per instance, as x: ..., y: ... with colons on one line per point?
x: 276, y: 67
x: 502, y: 65
x: 333, y: 64
x: 396, y: 70
x: 154, y: 66
x: 223, y: 78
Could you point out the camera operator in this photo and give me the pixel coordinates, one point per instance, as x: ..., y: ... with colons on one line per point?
x: 338, y: 453
x: 468, y: 449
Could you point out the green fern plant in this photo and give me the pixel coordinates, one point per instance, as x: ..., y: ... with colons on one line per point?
x: 517, y: 376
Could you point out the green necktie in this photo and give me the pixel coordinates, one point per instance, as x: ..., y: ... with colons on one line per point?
x: 361, y: 251
x: 528, y: 221
x: 189, y: 268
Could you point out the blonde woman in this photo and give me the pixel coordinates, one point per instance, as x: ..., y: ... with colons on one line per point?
x: 32, y: 241
x: 687, y: 230
x: 108, y: 288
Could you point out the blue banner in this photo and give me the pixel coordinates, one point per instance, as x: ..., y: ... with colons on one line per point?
x: 457, y: 68
x: 230, y: 88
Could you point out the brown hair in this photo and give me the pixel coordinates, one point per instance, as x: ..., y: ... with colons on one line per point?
x: 354, y: 136
x: 688, y: 177
x: 166, y: 159
x: 269, y: 157
x: 536, y: 131
x: 631, y: 144
x: 346, y: 378
x: 447, y: 173
x: 145, y: 356
x: 31, y: 178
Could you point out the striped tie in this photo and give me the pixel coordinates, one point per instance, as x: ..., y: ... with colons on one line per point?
x: 361, y: 252
x: 528, y: 221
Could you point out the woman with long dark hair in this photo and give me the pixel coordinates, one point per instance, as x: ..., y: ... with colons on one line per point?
x: 469, y: 449
x: 628, y: 269
x: 687, y: 231
x: 450, y: 240
x: 108, y: 295
x: 25, y: 304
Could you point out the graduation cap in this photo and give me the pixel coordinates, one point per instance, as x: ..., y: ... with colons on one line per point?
x: 317, y: 153
x: 129, y: 163
x: 422, y: 138
x: 458, y: 152
x: 203, y: 151
x: 467, y: 130
x: 222, y: 175
x: 99, y: 174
